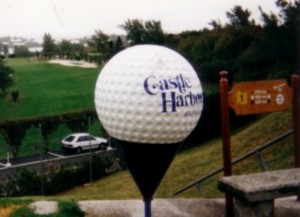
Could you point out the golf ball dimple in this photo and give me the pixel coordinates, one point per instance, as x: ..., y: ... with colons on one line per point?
x: 148, y: 94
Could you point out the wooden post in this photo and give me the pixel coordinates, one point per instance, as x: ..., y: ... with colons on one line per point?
x: 226, y: 137
x: 296, y: 117
x: 296, y: 122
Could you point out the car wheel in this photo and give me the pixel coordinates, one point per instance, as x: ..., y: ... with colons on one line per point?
x: 101, y: 147
x: 79, y: 150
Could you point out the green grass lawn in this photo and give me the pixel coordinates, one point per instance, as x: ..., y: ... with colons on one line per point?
x: 48, y: 89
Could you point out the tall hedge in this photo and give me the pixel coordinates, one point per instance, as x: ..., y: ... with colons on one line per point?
x: 14, y: 131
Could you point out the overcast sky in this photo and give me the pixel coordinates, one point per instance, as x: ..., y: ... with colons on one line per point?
x: 71, y: 19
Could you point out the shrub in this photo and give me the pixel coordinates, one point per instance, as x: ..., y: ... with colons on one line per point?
x: 53, y: 180
x: 24, y: 182
x: 24, y: 212
x: 69, y: 208
x: 66, y: 209
x: 15, y: 95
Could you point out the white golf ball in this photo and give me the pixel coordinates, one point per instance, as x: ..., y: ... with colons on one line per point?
x: 148, y: 94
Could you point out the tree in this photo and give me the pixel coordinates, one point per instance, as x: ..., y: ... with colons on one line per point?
x: 279, y: 40
x: 1, y: 48
x: 15, y: 95
x: 135, y: 31
x: 49, y: 47
x: 290, y: 30
x: 65, y: 48
x: 6, y: 79
x: 79, y: 51
x: 13, y: 133
x: 47, y: 127
x: 102, y: 44
x: 239, y: 17
x: 216, y: 24
x: 5, y: 49
x: 118, y: 45
x: 200, y: 49
x: 22, y: 51
x: 154, y: 33
x: 267, y: 48
x: 139, y: 32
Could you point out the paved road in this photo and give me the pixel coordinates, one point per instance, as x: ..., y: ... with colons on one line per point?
x: 38, y: 158
x: 37, y: 161
x: 26, y: 160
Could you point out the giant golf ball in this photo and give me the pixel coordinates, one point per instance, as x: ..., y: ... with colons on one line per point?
x: 148, y: 94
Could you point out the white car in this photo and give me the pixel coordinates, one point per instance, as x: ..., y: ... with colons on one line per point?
x: 80, y: 142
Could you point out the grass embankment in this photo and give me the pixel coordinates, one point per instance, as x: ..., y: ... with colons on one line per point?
x: 197, y: 162
x: 189, y: 166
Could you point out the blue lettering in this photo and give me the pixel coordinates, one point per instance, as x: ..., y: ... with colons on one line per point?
x: 150, y: 86
x: 163, y: 85
x: 166, y: 101
x: 173, y: 83
x: 180, y: 101
x: 173, y: 92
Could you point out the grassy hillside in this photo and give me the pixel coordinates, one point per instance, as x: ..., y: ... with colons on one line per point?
x: 197, y: 162
x: 48, y: 89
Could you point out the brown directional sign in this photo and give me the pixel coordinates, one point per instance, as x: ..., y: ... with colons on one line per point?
x: 260, y: 96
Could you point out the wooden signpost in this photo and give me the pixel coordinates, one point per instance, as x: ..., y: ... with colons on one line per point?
x: 260, y: 96
x: 257, y: 97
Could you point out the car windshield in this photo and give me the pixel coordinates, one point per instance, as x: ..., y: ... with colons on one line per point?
x: 69, y: 138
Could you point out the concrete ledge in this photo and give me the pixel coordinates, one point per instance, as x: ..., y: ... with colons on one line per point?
x: 197, y: 207
x: 160, y: 208
x: 254, y: 194
x: 262, y: 186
